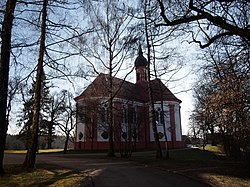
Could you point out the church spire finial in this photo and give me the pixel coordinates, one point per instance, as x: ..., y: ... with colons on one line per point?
x: 141, y: 65
x: 140, y: 50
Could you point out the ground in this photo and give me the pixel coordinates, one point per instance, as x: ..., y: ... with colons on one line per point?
x: 185, y: 167
x: 104, y: 172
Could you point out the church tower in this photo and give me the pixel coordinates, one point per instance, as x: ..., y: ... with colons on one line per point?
x: 141, y: 65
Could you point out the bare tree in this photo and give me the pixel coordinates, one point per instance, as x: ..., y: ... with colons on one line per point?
x: 55, y: 109
x: 14, y: 87
x: 159, y: 44
x: 31, y: 153
x: 150, y: 90
x: 67, y: 122
x: 211, y: 20
x: 108, y: 48
x: 222, y: 100
x: 4, y: 73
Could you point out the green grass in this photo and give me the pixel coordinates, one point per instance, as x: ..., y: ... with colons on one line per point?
x: 40, y: 151
x: 209, y: 165
x: 15, y: 151
x: 42, y: 176
x: 215, y: 149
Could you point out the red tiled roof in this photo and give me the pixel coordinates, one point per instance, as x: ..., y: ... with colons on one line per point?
x: 127, y: 90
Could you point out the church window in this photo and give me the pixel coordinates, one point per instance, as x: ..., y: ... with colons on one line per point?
x: 103, y: 115
x: 132, y: 116
x: 124, y: 115
x: 80, y: 136
x: 161, y: 117
x: 167, y: 118
x: 157, y: 117
x: 104, y: 135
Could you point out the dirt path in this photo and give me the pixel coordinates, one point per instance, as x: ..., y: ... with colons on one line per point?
x: 112, y: 173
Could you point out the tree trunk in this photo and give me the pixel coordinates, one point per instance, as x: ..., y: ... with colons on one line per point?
x: 66, y: 144
x: 164, y: 129
x: 50, y: 134
x: 155, y: 131
x: 151, y: 101
x: 111, y: 152
x: 4, y: 73
x: 162, y: 106
x: 31, y: 153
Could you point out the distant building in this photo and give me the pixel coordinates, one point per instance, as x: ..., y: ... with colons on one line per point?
x: 131, y: 120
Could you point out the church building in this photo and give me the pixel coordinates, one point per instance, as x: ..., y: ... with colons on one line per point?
x: 132, y: 121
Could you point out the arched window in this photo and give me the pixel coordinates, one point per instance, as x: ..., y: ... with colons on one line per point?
x: 103, y: 115
x: 162, y: 117
x: 124, y: 115
x: 132, y: 116
x: 157, y: 117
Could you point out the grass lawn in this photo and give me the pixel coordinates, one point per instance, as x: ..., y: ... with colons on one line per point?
x: 207, y: 165
x: 39, y: 151
x: 42, y: 176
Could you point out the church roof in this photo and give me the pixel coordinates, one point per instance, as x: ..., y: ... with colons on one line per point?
x: 127, y: 90
x: 161, y: 92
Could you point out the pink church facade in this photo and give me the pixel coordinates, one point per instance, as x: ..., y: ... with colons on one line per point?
x: 132, y: 121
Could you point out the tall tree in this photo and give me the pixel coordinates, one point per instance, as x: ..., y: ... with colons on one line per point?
x: 109, y: 45
x: 222, y: 100
x: 150, y: 90
x: 161, y: 48
x: 31, y: 153
x: 55, y: 108
x: 4, y: 73
x: 26, y: 115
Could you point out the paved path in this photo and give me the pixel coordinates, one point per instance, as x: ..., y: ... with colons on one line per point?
x: 113, y: 173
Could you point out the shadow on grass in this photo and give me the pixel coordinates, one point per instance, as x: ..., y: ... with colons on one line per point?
x: 43, y: 175
x: 203, y: 165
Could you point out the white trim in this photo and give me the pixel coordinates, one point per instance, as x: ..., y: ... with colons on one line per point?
x: 167, y: 102
x: 177, y: 123
x: 80, y: 128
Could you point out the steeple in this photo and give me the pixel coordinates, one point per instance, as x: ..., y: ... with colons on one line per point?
x: 140, y: 60
x: 141, y: 65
